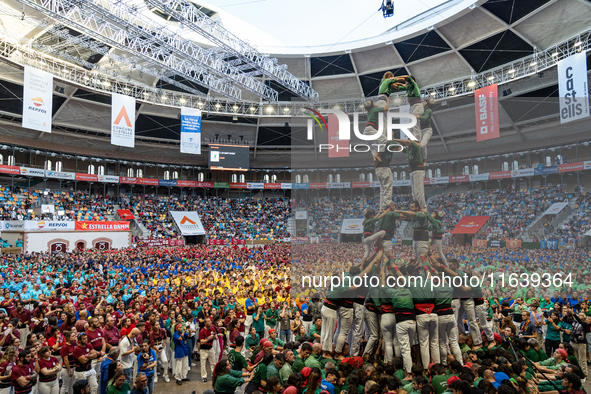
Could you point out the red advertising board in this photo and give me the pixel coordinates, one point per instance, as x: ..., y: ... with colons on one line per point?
x: 87, y: 177
x: 571, y: 167
x: 10, y: 169
x: 360, y: 184
x: 236, y: 241
x: 459, y: 178
x: 102, y: 226
x: 204, y: 184
x: 499, y: 175
x: 148, y: 181
x: 487, y: 113
x: 237, y: 185
x: 125, y: 214
x: 272, y: 185
x: 151, y: 242
x: 513, y: 243
x: 470, y: 224
x: 317, y: 185
x: 216, y: 242
x: 129, y: 181
x: 479, y: 243
x: 186, y: 183
x: 340, y: 148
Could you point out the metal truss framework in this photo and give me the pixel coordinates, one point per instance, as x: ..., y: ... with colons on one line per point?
x: 95, y: 22
x: 15, y: 52
x: 196, y: 20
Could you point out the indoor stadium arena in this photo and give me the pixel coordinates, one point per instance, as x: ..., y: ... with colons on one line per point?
x: 295, y: 197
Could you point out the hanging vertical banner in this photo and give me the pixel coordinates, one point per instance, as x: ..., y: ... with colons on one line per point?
x: 340, y: 148
x: 122, y: 120
x: 190, y: 131
x: 487, y: 113
x: 572, y: 87
x: 37, y: 100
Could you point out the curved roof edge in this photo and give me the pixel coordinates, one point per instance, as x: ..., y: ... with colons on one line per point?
x: 439, y: 15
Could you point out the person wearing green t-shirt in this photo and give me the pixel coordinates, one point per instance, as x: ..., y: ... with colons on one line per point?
x: 437, y: 234
x: 388, y: 224
x: 413, y: 95
x: 414, y: 156
x: 370, y: 236
x: 384, y: 173
x: 426, y: 129
x: 374, y: 112
x: 420, y: 226
x: 226, y: 380
x: 439, y: 378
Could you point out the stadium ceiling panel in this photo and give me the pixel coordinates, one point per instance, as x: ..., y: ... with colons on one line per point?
x: 422, y: 46
x: 510, y: 11
x: 331, y: 65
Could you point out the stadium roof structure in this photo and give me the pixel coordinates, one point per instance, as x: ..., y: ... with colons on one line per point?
x: 149, y: 49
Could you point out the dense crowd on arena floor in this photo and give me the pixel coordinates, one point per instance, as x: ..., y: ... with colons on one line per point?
x: 128, y: 318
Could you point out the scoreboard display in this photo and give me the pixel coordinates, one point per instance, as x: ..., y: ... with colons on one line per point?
x: 228, y: 157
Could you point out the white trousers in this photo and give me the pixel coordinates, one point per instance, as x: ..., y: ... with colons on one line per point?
x: 52, y: 387
x: 329, y: 322
x: 405, y: 332
x: 181, y: 368
x: 345, y: 319
x: 428, y: 338
x: 448, y: 337
x: 206, y: 354
x: 372, y: 330
x: 356, y: 331
x: 90, y: 376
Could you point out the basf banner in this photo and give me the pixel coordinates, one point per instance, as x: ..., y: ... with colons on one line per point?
x: 188, y: 222
x: 352, y: 226
x: 487, y: 113
x: 37, y: 100
x: 190, y: 131
x: 122, y: 120
x: 572, y: 87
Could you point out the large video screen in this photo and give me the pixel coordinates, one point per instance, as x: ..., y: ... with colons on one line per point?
x: 228, y: 157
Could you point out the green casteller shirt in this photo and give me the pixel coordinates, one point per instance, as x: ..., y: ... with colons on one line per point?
x: 551, y: 364
x: 439, y: 382
x: 386, y: 86
x: 422, y: 293
x: 284, y: 373
x: 388, y: 153
x: 313, y: 361
x: 252, y: 342
x: 298, y: 364
x: 315, y: 330
x: 420, y: 226
x: 369, y: 225
x: 413, y: 93
x: 260, y: 374
x: 277, y: 342
x: 400, y: 297
x: 425, y: 120
x: 435, y: 227
x: 272, y: 371
x: 227, y: 383
x: 414, y: 156
x: 388, y: 222
x: 271, y: 317
x: 237, y: 360
x: 373, y: 115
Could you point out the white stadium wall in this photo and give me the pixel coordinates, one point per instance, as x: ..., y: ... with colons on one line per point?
x: 40, y: 241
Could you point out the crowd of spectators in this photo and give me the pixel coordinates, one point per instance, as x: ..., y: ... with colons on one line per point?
x: 579, y: 224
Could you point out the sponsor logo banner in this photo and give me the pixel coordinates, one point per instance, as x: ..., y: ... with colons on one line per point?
x: 470, y: 224
x: 479, y: 243
x: 436, y: 181
x: 335, y: 185
x: 272, y: 185
x: 188, y: 222
x: 186, y: 183
x: 300, y: 185
x: 237, y: 185
x: 522, y: 172
x: 359, y: 185
x: 479, y: 177
x: 299, y: 240
x: 108, y: 178
x: 122, y: 120
x: 148, y: 181
x: 49, y: 225
x: 495, y: 244
x: 318, y: 185
x: 555, y: 208
x: 286, y: 186
x: 459, y: 178
x: 9, y: 169
x: 513, y: 243
x: 587, y: 165
x: 499, y: 175
x: 61, y: 175
x: 125, y: 214
x: 204, y: 184
x: 221, y: 185
x: 102, y: 226
x: 150, y: 242
x: 377, y: 183
x: 32, y: 171
x: 86, y: 177
x: 487, y: 112
x: 37, y: 100
x: 217, y: 242
x: 167, y: 182
x: 571, y: 167
x: 13, y: 225
x: 129, y: 181
x: 255, y: 185
x: 573, y: 88
x: 352, y: 226
x: 190, y: 131
x: 541, y: 170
